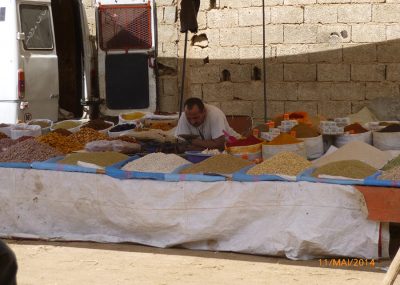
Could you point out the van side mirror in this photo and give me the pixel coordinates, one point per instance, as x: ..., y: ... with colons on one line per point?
x: 20, y: 36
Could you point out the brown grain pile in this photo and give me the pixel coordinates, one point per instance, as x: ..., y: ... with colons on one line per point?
x: 97, y: 125
x: 63, y: 132
x: 392, y: 174
x: 28, y: 151
x: 60, y: 142
x: 103, y: 159
x: 6, y: 143
x: 346, y: 168
x: 222, y: 163
x: 3, y: 136
x: 86, y: 135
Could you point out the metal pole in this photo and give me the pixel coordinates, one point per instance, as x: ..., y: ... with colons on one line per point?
x: 264, y: 65
x: 183, y: 75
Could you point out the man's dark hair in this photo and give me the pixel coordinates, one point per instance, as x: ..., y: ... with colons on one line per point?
x: 191, y: 102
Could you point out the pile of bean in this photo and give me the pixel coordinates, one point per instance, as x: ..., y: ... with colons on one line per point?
x: 391, y: 164
x: 123, y: 127
x: 346, y: 168
x: 61, y: 143
x: 3, y: 136
x: 63, y: 132
x: 156, y: 162
x: 85, y: 135
x: 103, y: 159
x: 285, y: 163
x: 28, y: 151
x: 222, y: 163
x: 97, y: 125
x: 66, y: 125
x: 392, y: 174
x: 6, y: 143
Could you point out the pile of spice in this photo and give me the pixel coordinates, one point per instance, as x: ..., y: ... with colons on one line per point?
x: 3, y: 136
x: 286, y: 163
x: 63, y: 132
x: 392, y: 174
x: 133, y: 116
x: 392, y: 164
x: 251, y: 140
x: 346, y: 168
x: 6, y: 143
x: 156, y: 162
x: 23, y: 138
x: 103, y: 159
x: 284, y: 139
x: 122, y: 127
x: 62, y: 143
x: 66, y: 125
x: 28, y: 151
x: 392, y: 128
x: 355, y: 128
x: 357, y: 150
x: 97, y: 125
x: 305, y: 131
x: 85, y: 135
x: 222, y: 163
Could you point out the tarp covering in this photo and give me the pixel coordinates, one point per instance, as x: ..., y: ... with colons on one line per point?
x: 299, y: 220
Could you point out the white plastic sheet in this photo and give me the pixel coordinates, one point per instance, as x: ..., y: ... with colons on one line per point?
x: 297, y: 220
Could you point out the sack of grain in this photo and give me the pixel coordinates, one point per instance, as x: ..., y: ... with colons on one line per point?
x: 386, y: 141
x: 249, y: 152
x: 314, y: 147
x: 270, y: 150
x: 24, y: 130
x: 346, y: 138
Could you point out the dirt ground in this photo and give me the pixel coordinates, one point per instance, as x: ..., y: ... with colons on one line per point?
x: 62, y: 263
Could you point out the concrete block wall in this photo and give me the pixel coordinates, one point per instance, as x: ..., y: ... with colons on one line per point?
x: 328, y: 57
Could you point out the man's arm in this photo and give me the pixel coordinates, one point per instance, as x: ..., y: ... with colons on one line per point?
x: 218, y: 143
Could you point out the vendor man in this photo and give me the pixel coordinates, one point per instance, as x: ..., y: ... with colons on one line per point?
x: 207, y: 122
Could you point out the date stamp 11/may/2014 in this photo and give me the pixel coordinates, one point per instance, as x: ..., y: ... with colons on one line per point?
x: 346, y: 262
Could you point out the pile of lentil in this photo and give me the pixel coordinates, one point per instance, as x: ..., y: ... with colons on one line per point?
x: 305, y: 131
x: 64, y: 144
x: 66, y: 125
x: 284, y: 139
x: 392, y: 128
x: 28, y: 151
x: 355, y: 128
x: 63, y: 132
x: 97, y: 125
x: 286, y: 163
x: 346, y: 168
x: 85, y: 135
x: 222, y: 163
x: 156, y: 162
x: 392, y: 174
x: 103, y: 159
x: 391, y: 164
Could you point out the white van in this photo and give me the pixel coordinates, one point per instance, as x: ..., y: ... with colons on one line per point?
x: 45, y: 59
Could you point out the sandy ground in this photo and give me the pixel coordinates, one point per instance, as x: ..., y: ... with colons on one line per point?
x: 56, y: 263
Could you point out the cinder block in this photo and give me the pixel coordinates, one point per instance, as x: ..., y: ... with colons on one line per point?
x: 334, y: 109
x: 168, y: 50
x: 300, y: 34
x: 305, y: 106
x: 218, y: 92
x: 169, y: 103
x: 282, y: 91
x: 237, y: 107
x: 300, y: 72
x: 299, y: 2
x: 258, y: 3
x: 274, y: 108
x: 292, y: 53
x: 248, y: 91
x: 238, y: 72
x: 333, y: 1
x: 170, y: 15
x: 368, y: 33
x: 170, y: 86
x: 356, y: 53
x: 222, y: 18
x: 393, y: 72
x: 323, y: 14
x: 286, y: 15
x: 348, y: 91
x: 202, y: 20
x: 354, y: 13
x: 253, y: 16
x: 356, y: 106
x: 253, y: 53
x: 324, y: 52
x: 167, y: 33
x: 234, y: 4
x: 315, y: 91
x: 273, y: 34
x: 334, y: 34
x: 230, y: 54
x: 393, y: 32
x: 389, y: 53
x: 333, y: 72
x: 368, y: 72
x: 195, y: 90
x: 165, y: 2
x: 382, y: 90
x: 235, y: 37
x: 386, y: 13
x: 204, y: 74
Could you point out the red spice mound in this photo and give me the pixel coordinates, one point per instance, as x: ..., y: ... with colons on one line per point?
x: 244, y: 142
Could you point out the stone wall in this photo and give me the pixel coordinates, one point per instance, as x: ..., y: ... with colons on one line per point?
x: 327, y: 57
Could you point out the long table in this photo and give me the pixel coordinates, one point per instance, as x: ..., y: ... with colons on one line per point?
x: 298, y: 220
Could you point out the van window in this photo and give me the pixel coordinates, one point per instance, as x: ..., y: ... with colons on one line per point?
x: 36, y: 25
